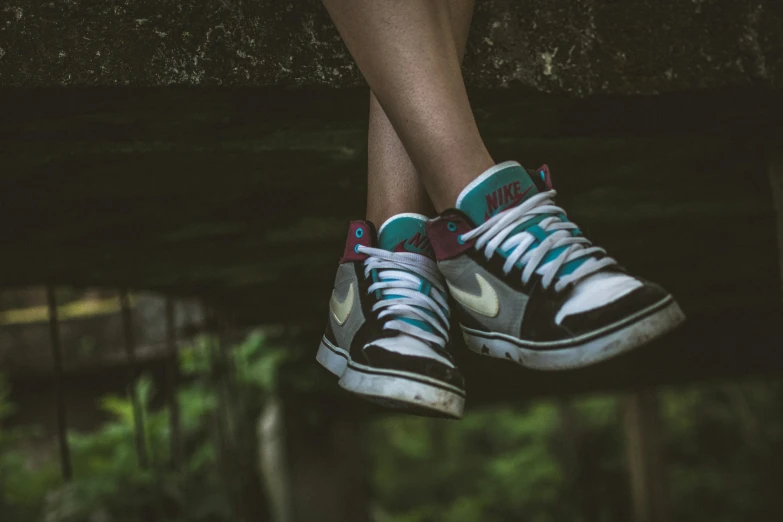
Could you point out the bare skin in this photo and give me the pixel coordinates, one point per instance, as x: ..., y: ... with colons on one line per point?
x: 423, y: 137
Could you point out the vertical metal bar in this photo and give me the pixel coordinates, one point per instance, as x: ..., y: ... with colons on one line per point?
x: 172, y: 382
x: 59, y: 397
x: 130, y: 351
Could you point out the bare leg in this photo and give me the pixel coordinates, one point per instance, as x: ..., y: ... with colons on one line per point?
x: 406, y: 52
x: 393, y: 185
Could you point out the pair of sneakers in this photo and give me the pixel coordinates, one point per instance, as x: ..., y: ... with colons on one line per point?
x: 525, y: 285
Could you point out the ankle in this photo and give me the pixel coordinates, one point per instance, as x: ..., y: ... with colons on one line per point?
x: 456, y: 177
x: 378, y: 214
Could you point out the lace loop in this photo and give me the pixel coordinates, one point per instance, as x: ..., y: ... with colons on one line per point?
x: 501, y: 232
x: 401, y: 276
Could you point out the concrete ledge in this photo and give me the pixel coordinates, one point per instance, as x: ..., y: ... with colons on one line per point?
x: 579, y: 47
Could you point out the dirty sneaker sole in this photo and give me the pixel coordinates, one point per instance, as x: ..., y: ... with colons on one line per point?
x: 403, y: 391
x: 605, y: 343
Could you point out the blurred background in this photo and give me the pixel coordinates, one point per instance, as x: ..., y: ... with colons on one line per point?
x: 166, y: 267
x: 176, y: 181
x: 165, y: 283
x: 165, y: 411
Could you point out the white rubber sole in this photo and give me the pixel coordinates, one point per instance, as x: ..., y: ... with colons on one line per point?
x: 585, y: 350
x: 399, y: 390
x: 402, y: 390
x: 332, y: 357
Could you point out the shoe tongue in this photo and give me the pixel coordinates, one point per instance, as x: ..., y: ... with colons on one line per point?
x: 504, y: 185
x: 405, y: 233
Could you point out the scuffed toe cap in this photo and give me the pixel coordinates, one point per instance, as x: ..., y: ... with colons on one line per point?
x: 435, y: 366
x: 636, y: 302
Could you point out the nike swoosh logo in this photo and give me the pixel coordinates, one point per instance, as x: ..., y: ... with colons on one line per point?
x: 486, y: 303
x: 342, y: 309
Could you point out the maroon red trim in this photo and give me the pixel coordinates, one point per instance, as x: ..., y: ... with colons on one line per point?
x: 547, y: 176
x: 445, y: 241
x: 367, y: 232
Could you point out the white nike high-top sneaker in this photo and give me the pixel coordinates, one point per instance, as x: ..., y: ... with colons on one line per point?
x: 529, y: 287
x: 388, y: 329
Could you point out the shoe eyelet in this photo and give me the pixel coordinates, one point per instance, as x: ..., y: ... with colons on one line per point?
x: 356, y: 249
x: 452, y: 226
x: 460, y: 240
x: 359, y: 232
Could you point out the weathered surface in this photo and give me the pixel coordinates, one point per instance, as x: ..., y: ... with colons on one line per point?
x: 580, y: 47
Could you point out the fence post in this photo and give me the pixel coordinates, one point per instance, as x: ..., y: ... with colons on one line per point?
x: 59, y: 397
x: 646, y: 463
x: 575, y: 459
x: 130, y: 351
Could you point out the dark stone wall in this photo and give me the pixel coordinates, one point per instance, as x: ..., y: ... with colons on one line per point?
x: 575, y: 46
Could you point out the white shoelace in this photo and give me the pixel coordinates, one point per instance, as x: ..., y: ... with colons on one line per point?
x: 497, y: 232
x: 402, y: 275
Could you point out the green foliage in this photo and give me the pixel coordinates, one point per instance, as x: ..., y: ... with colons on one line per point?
x: 258, y: 369
x: 109, y: 483
x: 496, y: 464
x: 725, y: 450
x: 723, y: 447
x: 543, y: 461
x: 106, y: 462
x: 6, y: 408
x: 21, y: 490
